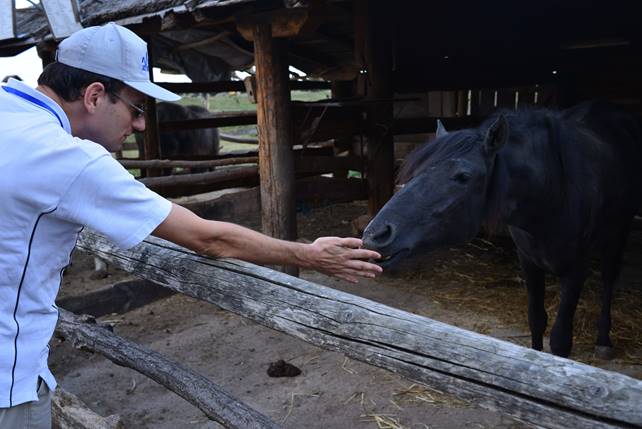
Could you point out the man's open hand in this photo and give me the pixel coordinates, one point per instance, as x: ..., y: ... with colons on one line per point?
x: 342, y: 257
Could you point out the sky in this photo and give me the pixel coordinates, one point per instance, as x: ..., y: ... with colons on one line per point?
x: 28, y: 65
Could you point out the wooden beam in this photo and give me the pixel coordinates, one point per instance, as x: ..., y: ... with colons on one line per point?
x: 7, y: 19
x: 182, y: 190
x: 223, y: 205
x: 217, y: 404
x: 290, y: 22
x: 166, y: 163
x: 230, y: 204
x: 380, y: 146
x: 69, y: 412
x: 117, y: 298
x: 237, y: 86
x: 151, y: 139
x: 538, y: 388
x: 214, y: 120
x: 218, y: 176
x: 238, y: 139
x: 62, y: 16
x: 276, y: 159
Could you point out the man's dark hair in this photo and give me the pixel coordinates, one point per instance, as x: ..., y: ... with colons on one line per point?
x: 69, y: 82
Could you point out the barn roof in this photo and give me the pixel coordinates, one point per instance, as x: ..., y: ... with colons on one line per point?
x: 437, y: 45
x: 202, y: 64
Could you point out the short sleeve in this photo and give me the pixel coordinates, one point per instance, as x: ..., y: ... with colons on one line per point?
x: 108, y: 199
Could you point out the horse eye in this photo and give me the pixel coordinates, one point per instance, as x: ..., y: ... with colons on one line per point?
x: 462, y: 177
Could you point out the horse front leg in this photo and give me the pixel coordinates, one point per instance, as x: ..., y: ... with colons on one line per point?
x: 611, y: 265
x: 562, y: 332
x: 537, y: 317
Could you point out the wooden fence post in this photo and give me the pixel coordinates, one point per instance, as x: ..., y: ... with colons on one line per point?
x: 151, y: 142
x: 276, y: 158
x: 378, y: 60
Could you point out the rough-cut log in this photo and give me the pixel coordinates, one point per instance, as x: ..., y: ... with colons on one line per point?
x: 303, y: 164
x: 290, y: 22
x: 151, y: 141
x: 238, y: 139
x: 276, y: 158
x: 214, y: 120
x: 236, y: 85
x: 379, y: 63
x: 117, y: 298
x: 69, y: 412
x: 166, y: 163
x: 222, y: 175
x: 224, y: 205
x: 539, y: 388
x: 196, y: 389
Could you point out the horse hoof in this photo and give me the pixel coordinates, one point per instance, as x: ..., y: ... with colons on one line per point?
x: 604, y: 352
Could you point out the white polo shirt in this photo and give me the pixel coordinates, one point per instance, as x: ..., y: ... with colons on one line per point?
x: 51, y: 185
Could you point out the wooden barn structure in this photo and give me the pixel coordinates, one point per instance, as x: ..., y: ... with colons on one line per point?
x: 393, y: 68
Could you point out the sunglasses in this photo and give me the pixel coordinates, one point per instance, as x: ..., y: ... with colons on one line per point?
x: 139, y: 110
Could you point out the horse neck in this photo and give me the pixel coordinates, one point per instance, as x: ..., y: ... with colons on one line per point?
x: 521, y: 202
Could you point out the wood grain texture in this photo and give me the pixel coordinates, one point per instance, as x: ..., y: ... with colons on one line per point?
x: 538, y: 388
x: 276, y: 158
x: 196, y: 389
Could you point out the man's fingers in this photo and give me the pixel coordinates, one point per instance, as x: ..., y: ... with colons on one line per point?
x: 364, y: 254
x: 352, y: 242
x: 364, y: 267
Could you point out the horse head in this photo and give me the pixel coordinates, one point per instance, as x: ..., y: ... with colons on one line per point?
x: 443, y: 196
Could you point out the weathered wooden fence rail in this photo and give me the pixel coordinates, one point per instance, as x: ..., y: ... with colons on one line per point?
x: 535, y: 387
x: 198, y: 390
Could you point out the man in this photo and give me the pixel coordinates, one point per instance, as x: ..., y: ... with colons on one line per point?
x: 57, y: 176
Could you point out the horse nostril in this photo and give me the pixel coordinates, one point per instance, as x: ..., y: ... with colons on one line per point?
x: 385, y: 235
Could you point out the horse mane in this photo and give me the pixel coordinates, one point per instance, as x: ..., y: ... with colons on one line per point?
x: 522, y: 124
x: 449, y: 146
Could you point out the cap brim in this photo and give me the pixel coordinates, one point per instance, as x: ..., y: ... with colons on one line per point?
x: 153, y: 90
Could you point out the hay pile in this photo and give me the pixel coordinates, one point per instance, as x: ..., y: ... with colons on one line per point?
x: 484, y: 278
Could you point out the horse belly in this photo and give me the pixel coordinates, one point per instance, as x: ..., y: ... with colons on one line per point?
x: 553, y: 256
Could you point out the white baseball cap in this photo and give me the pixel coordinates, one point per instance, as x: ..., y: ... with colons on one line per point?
x: 113, y: 51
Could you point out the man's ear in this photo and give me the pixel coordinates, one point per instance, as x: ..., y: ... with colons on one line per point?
x: 94, y: 95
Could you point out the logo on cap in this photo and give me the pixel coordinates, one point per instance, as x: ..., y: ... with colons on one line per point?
x: 145, y: 63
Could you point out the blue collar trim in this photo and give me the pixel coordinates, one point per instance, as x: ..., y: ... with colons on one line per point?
x: 34, y: 100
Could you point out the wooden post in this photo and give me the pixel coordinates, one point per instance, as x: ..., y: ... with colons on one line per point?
x: 342, y: 89
x: 151, y: 142
x: 378, y: 59
x: 276, y: 159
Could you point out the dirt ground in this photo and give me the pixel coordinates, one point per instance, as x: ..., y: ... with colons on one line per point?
x: 476, y: 286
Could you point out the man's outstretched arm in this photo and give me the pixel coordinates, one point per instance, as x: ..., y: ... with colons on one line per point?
x: 339, y: 257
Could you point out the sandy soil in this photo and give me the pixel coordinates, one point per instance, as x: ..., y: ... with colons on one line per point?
x: 476, y: 286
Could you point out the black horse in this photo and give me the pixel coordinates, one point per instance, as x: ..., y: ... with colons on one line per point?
x: 565, y: 182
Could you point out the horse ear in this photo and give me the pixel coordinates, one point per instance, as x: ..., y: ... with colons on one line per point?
x: 441, y: 130
x: 496, y: 136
